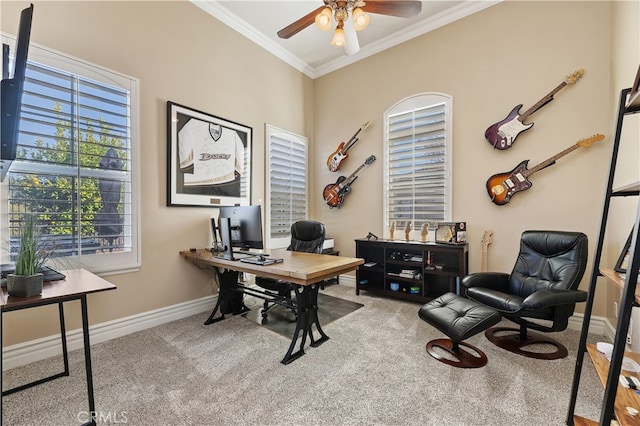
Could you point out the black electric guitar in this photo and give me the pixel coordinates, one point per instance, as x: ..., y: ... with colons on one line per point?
x: 340, y: 154
x: 334, y: 193
x: 502, y: 134
x: 501, y: 187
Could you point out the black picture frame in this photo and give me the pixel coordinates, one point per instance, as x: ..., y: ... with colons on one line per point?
x: 209, y: 159
x: 623, y: 260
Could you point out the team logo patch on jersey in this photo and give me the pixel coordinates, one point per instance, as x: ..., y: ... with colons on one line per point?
x: 204, y: 156
x: 215, y: 130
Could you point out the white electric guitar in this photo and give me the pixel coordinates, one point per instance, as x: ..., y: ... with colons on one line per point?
x: 486, y: 240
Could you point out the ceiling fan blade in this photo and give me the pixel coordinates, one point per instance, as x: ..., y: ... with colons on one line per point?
x: 352, y: 45
x: 300, y: 24
x: 400, y: 8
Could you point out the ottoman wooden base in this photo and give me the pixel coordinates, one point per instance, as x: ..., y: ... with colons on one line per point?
x: 462, y: 358
x: 459, y: 318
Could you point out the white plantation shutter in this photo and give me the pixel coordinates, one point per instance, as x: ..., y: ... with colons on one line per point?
x: 417, y: 161
x: 74, y: 166
x: 287, y: 184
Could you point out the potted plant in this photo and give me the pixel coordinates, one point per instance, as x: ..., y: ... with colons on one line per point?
x: 26, y: 280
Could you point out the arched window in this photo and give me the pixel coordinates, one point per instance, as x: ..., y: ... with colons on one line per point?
x: 417, y: 155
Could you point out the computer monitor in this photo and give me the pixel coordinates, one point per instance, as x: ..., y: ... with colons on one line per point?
x: 245, y: 226
x: 215, y: 245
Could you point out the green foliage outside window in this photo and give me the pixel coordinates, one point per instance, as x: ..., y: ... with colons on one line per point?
x: 55, y: 196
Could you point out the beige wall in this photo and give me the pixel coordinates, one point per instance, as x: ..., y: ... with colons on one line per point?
x: 511, y: 53
x: 514, y: 52
x: 181, y: 54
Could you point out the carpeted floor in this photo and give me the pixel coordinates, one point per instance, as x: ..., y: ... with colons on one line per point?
x: 373, y: 371
x: 283, y: 321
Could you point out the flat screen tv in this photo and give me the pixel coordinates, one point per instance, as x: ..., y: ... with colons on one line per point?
x: 11, y: 90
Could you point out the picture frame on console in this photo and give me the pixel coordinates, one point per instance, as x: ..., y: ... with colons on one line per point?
x: 208, y: 159
x: 623, y: 261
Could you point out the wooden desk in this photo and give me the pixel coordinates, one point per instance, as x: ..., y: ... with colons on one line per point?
x: 307, y: 270
x: 77, y: 284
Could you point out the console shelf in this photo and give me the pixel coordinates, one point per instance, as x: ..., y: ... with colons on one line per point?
x: 428, y: 269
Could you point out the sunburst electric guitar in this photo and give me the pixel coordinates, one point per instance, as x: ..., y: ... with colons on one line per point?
x: 334, y: 193
x: 501, y: 187
x: 340, y: 154
x: 502, y: 134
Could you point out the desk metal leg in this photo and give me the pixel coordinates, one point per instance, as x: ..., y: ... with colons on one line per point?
x: 302, y: 324
x: 65, y: 358
x: 87, y: 358
x: 313, y: 317
x: 211, y: 318
x: 63, y: 334
x: 229, y: 298
x: 307, y: 306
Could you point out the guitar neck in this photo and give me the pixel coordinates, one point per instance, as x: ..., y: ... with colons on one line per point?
x: 542, y: 101
x: 551, y: 160
x: 353, y: 140
x: 484, y: 266
x: 348, y: 181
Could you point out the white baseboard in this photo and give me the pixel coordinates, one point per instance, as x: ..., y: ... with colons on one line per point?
x: 598, y: 326
x: 46, y: 347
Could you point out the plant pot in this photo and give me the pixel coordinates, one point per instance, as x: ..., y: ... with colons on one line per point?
x: 24, y: 285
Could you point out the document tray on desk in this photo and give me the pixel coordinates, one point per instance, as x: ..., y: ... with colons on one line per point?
x: 258, y: 261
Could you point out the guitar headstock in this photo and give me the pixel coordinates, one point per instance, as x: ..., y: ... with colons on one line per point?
x: 365, y: 125
x: 370, y: 160
x: 588, y: 141
x: 486, y: 238
x: 572, y: 78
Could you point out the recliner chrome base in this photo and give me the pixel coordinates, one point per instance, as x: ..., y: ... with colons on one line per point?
x: 516, y: 343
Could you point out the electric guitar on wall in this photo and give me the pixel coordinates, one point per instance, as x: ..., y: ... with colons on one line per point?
x: 486, y: 240
x: 334, y: 193
x: 502, y: 134
x: 501, y: 187
x: 340, y: 154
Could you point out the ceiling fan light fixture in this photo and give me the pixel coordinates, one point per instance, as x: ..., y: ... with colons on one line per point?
x: 360, y: 19
x: 323, y: 19
x: 338, y: 36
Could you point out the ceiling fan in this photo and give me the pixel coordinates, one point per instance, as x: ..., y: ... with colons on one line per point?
x: 350, y: 16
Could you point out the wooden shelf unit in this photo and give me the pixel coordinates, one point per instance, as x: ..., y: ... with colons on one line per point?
x: 441, y: 267
x: 616, y: 397
x: 625, y: 397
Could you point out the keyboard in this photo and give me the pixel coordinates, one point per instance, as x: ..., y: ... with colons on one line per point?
x: 49, y: 274
x: 258, y: 261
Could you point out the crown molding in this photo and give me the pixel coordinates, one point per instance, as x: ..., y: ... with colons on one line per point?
x: 215, y: 9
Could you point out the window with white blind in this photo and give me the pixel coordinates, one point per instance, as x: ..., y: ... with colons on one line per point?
x: 287, y: 189
x: 417, y: 138
x: 76, y: 167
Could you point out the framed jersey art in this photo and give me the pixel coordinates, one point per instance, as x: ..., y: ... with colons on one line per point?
x: 209, y: 159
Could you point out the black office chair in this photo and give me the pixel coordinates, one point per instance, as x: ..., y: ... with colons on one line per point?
x: 306, y: 236
x: 542, y: 288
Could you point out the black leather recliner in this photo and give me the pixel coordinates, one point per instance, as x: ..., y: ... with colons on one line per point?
x: 540, y: 293
x: 306, y: 236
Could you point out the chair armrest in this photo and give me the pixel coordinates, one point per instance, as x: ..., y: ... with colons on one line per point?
x: 492, y: 280
x: 547, y: 298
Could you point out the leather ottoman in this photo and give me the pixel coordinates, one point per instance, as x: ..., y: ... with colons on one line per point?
x: 459, y: 318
